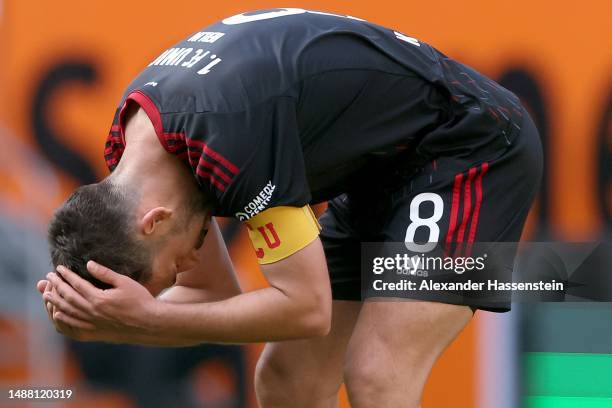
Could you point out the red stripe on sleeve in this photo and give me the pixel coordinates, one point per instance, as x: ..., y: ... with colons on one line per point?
x: 215, y: 170
x: 209, y: 176
x: 216, y: 156
x: 180, y: 136
x: 222, y: 160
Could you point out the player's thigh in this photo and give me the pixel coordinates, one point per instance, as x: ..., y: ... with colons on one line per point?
x: 309, y: 367
x: 395, y: 344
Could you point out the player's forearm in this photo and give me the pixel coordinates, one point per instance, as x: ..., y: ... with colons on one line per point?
x: 263, y: 315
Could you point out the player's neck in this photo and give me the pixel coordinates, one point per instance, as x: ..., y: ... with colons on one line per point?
x: 158, y: 180
x: 146, y: 165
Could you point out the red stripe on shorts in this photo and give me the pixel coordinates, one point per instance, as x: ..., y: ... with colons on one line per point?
x: 479, y: 195
x: 467, y: 209
x: 454, y: 211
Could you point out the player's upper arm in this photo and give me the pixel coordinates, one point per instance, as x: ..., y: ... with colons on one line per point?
x: 289, y: 250
x: 302, y: 277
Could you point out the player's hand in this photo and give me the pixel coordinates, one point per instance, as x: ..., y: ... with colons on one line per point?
x: 95, y: 314
x: 44, y: 286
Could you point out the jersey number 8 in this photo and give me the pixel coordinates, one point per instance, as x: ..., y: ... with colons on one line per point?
x: 430, y: 223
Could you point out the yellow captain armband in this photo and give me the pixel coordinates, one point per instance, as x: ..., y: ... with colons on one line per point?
x: 279, y: 232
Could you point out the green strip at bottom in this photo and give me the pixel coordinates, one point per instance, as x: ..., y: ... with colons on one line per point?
x: 567, y: 402
x: 568, y: 375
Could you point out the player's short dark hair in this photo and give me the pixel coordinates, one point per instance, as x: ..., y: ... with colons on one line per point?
x: 97, y: 222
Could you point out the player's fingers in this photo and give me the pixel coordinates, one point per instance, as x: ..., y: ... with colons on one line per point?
x: 49, y: 307
x: 104, y: 274
x: 62, y: 305
x: 70, y: 294
x: 41, y: 285
x: 83, y: 287
x: 73, y: 323
x: 49, y: 288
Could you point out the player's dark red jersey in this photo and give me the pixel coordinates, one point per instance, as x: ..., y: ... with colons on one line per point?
x: 287, y: 107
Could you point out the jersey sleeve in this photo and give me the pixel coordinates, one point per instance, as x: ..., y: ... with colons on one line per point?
x: 115, y: 145
x: 252, y: 160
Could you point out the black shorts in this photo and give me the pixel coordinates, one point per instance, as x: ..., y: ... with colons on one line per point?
x: 484, y: 196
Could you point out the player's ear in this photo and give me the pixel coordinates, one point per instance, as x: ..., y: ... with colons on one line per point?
x: 152, y: 220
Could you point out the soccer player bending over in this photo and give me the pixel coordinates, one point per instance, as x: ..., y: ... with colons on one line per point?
x: 256, y: 117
